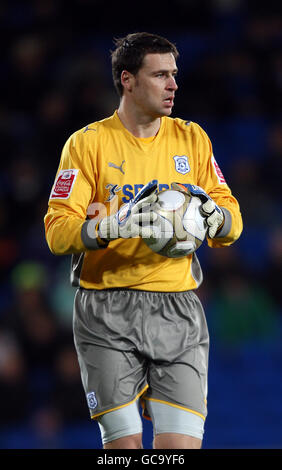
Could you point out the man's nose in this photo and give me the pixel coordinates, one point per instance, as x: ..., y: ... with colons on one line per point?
x: 172, y: 85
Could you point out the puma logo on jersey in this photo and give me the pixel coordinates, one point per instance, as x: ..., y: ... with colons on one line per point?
x: 113, y: 165
x: 89, y: 129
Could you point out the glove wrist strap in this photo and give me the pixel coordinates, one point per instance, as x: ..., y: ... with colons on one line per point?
x: 102, y: 242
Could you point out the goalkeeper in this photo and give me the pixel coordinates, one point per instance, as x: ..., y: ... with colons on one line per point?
x: 139, y: 328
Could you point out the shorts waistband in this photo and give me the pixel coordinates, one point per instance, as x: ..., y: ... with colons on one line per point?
x: 125, y: 289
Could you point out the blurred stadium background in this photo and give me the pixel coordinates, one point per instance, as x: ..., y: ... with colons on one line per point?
x: 55, y: 78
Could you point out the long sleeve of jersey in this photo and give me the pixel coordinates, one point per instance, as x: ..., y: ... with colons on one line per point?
x: 212, y: 180
x: 70, y: 197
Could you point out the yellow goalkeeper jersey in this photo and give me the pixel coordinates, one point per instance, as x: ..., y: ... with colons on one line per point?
x: 103, y: 166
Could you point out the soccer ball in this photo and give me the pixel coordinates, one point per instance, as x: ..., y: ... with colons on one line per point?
x: 180, y: 220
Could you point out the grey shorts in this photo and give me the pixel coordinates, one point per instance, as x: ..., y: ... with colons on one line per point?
x: 151, y: 345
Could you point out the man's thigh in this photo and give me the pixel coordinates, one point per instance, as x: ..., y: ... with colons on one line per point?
x: 113, y: 372
x: 177, y: 375
x: 179, y: 385
x: 111, y: 379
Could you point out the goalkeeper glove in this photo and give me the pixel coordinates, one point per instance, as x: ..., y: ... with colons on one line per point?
x: 181, y: 249
x: 209, y: 209
x: 127, y: 222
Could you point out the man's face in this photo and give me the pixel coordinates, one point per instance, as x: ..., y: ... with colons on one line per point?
x: 154, y: 86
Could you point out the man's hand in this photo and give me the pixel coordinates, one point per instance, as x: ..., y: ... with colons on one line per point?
x: 127, y: 222
x: 209, y: 209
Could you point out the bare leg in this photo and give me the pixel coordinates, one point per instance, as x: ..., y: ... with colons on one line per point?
x: 176, y: 441
x: 128, y: 442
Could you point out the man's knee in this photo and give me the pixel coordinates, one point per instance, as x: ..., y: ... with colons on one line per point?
x: 128, y: 442
x: 176, y: 441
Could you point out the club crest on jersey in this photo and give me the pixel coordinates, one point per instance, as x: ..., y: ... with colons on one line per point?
x: 181, y: 164
x: 91, y: 400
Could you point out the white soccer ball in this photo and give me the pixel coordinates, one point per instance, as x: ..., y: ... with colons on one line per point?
x: 180, y: 220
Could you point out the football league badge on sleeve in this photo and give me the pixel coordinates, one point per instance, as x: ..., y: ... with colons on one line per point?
x: 64, y: 183
x: 91, y: 400
x: 218, y: 171
x: 181, y: 164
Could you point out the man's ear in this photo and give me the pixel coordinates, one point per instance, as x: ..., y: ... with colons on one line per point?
x: 127, y: 80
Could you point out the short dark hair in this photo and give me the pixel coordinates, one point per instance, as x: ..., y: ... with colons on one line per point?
x: 131, y: 50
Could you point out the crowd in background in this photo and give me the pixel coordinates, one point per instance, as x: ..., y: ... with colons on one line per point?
x: 56, y: 78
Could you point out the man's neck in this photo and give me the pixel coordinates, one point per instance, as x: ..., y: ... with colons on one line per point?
x: 140, y: 125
